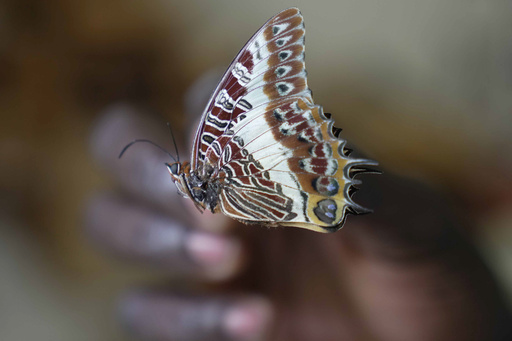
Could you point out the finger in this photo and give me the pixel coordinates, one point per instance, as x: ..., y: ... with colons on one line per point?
x: 410, y: 258
x: 141, y: 171
x: 131, y: 231
x: 159, y: 316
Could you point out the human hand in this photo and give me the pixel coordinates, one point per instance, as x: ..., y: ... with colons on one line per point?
x: 405, y: 272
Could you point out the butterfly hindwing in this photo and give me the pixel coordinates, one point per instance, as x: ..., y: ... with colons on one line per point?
x: 290, y: 152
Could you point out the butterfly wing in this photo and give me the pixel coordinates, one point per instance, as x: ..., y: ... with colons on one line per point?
x: 266, y: 68
x: 273, y: 151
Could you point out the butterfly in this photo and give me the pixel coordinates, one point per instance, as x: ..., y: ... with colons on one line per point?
x: 263, y: 151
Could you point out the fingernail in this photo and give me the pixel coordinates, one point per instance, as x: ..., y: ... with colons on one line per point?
x: 248, y: 321
x: 218, y: 256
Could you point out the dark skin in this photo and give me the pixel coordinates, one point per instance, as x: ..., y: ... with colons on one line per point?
x: 407, y: 271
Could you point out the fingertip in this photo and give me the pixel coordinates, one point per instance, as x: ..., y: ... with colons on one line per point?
x: 248, y: 320
x: 219, y: 257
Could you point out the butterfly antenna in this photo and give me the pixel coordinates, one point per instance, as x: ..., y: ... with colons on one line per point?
x: 174, y: 142
x: 147, y: 141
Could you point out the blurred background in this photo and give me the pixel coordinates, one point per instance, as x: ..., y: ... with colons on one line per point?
x: 425, y: 87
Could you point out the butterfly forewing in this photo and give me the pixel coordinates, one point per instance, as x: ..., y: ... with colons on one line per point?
x: 277, y: 47
x: 269, y: 147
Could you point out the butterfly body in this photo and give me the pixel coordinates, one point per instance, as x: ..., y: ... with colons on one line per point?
x: 201, y: 187
x: 263, y: 151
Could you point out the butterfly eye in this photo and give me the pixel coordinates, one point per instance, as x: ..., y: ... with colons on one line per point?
x: 174, y: 169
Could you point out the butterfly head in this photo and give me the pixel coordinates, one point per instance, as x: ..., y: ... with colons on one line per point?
x: 179, y: 172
